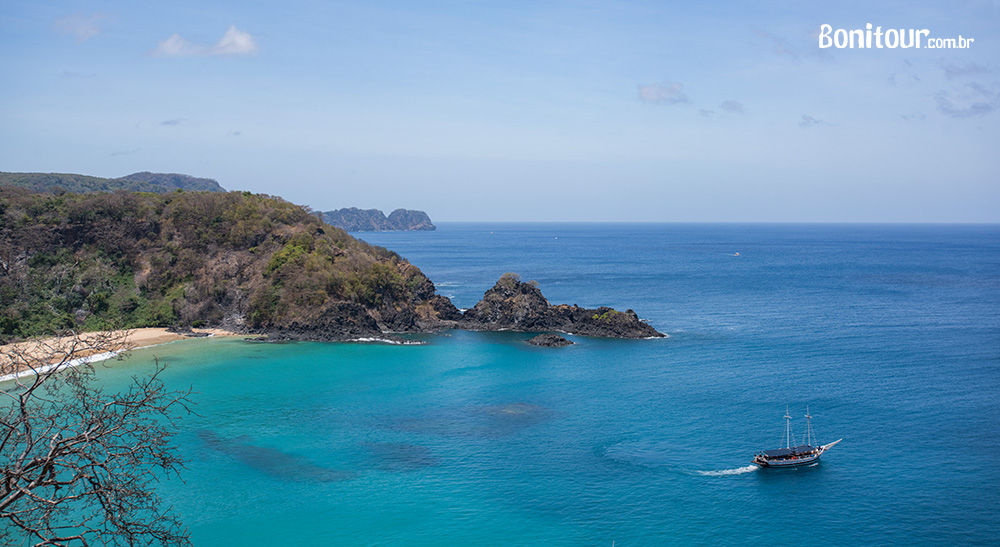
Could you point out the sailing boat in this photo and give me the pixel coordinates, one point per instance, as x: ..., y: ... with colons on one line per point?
x: 792, y: 456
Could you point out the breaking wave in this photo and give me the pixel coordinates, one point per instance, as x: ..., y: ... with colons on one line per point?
x: 97, y: 357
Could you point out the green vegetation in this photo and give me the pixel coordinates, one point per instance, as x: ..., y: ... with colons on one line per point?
x: 509, y: 280
x: 238, y: 260
x: 60, y: 183
x: 608, y: 315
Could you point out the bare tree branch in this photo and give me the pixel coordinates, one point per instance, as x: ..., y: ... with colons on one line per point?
x: 78, y: 464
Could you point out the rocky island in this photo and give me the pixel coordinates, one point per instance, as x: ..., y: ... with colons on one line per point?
x: 353, y: 219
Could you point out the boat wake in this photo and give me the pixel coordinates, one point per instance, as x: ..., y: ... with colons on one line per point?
x: 724, y: 472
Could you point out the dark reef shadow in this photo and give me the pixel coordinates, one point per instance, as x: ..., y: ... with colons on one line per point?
x: 272, y: 462
x: 400, y: 457
x: 477, y: 421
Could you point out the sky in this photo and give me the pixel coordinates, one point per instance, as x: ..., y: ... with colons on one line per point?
x: 652, y: 111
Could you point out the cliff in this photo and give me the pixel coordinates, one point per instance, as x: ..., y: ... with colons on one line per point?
x: 514, y: 305
x: 353, y: 219
x: 136, y: 182
x: 246, y: 262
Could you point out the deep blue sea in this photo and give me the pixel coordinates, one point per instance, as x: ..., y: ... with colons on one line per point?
x: 890, y: 334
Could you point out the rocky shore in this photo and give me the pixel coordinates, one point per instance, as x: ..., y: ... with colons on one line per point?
x: 515, y: 305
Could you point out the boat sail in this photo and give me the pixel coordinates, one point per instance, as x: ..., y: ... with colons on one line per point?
x: 792, y: 456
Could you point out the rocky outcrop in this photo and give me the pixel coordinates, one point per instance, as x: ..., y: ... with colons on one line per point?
x: 353, y: 219
x: 514, y: 305
x: 550, y: 341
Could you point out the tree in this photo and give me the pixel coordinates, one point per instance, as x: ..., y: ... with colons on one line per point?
x: 77, y: 464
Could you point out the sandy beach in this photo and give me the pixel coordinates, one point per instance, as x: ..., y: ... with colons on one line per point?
x: 48, y: 351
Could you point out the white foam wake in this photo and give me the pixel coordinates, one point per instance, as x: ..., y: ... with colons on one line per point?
x: 724, y: 472
x: 389, y: 341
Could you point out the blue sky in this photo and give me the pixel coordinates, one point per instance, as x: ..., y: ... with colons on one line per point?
x: 519, y: 111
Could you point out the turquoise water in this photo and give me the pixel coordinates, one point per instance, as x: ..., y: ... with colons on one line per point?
x: 889, y: 333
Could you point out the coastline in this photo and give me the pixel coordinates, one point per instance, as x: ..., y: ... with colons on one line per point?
x: 56, y: 350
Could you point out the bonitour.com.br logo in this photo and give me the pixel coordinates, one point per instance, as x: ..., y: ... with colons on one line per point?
x: 892, y: 38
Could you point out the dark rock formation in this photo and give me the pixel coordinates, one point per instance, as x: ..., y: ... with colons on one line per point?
x: 338, y: 321
x: 550, y: 341
x: 513, y: 305
x: 353, y: 219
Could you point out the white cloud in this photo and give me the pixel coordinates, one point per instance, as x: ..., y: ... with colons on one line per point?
x: 666, y: 92
x: 177, y: 46
x: 83, y: 27
x: 233, y: 42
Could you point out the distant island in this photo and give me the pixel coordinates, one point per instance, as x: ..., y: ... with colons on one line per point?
x: 159, y: 183
x: 353, y: 219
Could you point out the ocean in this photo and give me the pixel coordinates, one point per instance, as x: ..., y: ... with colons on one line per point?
x: 888, y: 334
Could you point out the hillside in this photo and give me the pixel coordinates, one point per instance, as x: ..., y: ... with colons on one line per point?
x: 173, y: 181
x: 136, y: 182
x: 353, y: 219
x: 246, y: 262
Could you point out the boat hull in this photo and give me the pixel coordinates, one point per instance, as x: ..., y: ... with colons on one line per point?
x: 805, y: 460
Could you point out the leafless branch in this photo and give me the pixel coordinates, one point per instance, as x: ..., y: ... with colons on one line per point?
x: 78, y: 464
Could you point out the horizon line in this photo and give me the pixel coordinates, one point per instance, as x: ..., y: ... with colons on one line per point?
x: 813, y: 222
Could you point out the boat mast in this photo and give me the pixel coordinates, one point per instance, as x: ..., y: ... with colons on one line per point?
x: 788, y: 429
x: 809, y: 439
